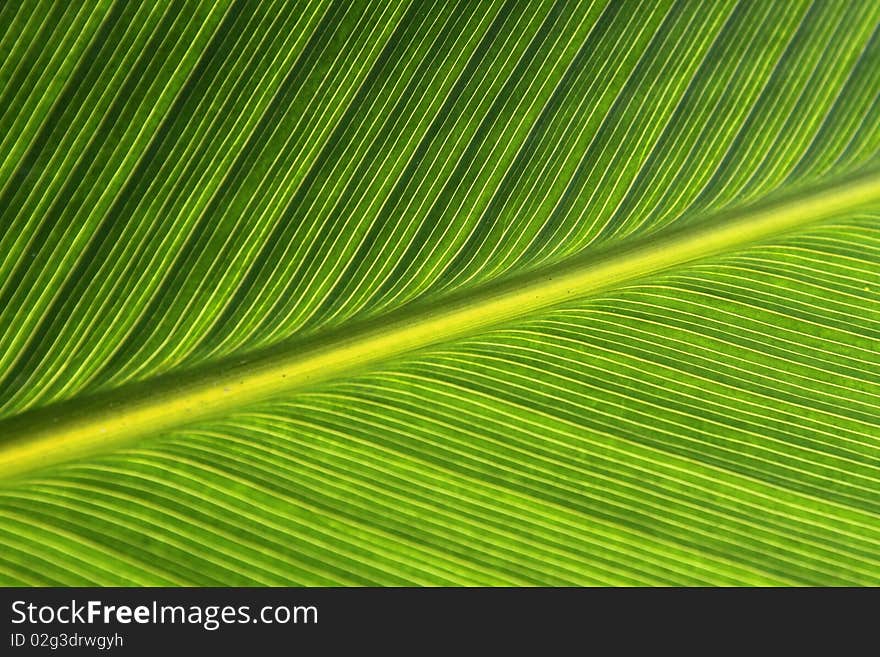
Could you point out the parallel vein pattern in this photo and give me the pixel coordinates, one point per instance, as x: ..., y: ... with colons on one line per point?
x: 255, y: 178
x: 672, y: 433
x: 182, y: 182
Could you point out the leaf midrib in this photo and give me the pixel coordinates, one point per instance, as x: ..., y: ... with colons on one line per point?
x: 79, y: 427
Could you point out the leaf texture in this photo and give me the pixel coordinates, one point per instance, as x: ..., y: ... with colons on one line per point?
x: 183, y: 185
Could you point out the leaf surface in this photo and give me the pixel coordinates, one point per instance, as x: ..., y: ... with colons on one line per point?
x: 440, y: 293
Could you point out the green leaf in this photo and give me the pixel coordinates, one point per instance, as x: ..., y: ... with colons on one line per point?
x: 440, y: 293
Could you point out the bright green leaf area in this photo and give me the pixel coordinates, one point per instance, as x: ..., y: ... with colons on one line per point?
x: 438, y: 293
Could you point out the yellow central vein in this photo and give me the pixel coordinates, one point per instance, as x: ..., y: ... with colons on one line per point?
x: 80, y: 427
